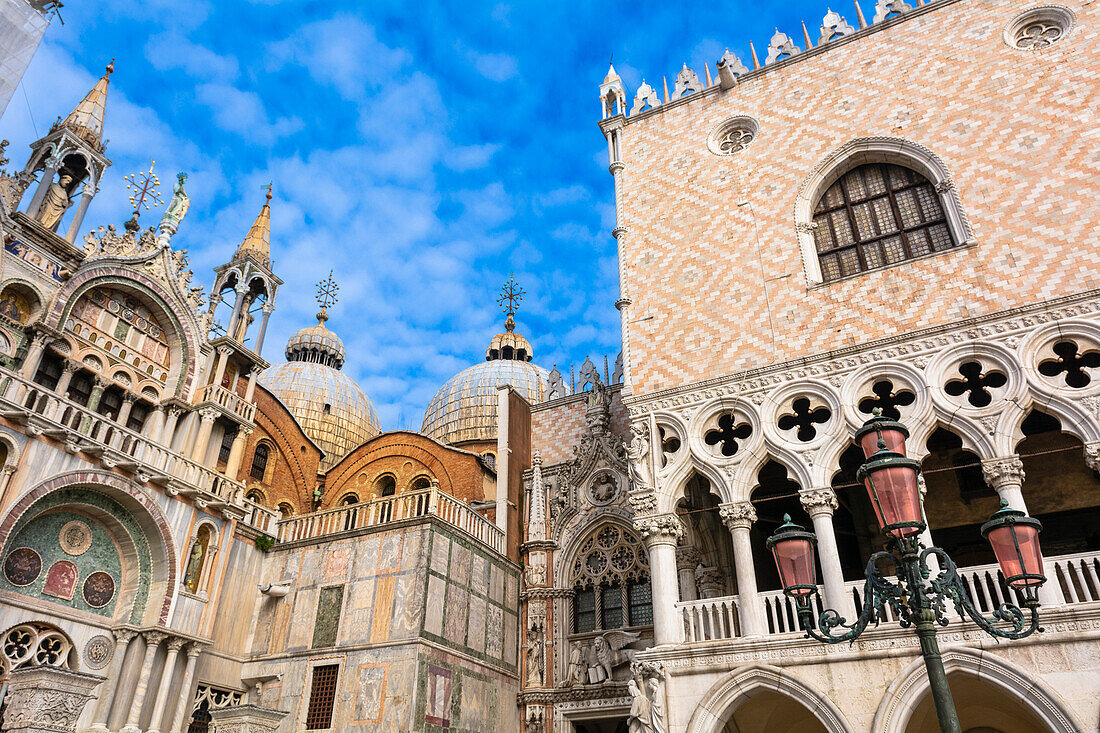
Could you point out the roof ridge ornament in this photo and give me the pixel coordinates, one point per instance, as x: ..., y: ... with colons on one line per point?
x: 326, y: 296
x: 145, y: 187
x: 511, y: 294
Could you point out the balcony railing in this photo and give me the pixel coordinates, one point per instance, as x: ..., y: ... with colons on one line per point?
x: 229, y: 400
x: 46, y: 413
x: 1073, y: 579
x: 381, y: 511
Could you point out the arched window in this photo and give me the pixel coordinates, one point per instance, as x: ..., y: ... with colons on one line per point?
x: 255, y: 496
x: 420, y: 482
x: 286, y: 510
x: 386, y: 486
x: 259, y: 462
x: 876, y: 215
x: 611, y: 582
x: 349, y: 499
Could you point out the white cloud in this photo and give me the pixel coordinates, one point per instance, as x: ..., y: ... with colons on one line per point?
x: 170, y: 50
x: 243, y: 113
x: 463, y: 158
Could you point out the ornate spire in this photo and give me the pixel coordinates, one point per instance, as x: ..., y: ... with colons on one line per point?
x: 258, y: 240
x: 326, y: 296
x: 86, y: 120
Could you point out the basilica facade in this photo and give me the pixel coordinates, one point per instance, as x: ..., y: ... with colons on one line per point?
x: 887, y: 216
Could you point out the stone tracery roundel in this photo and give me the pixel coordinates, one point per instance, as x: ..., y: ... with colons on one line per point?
x: 75, y: 537
x: 1039, y: 28
x: 733, y: 135
x: 610, y: 554
x: 896, y: 387
x: 34, y: 644
x: 802, y: 414
x: 1063, y: 358
x: 727, y: 431
x: 975, y: 378
x: 603, y: 488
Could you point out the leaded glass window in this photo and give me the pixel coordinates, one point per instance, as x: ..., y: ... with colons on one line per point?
x: 877, y: 215
x: 611, y: 581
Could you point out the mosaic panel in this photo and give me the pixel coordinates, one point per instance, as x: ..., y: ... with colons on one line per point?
x: 326, y: 626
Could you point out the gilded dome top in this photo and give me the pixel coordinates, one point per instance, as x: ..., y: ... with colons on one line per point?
x: 331, y: 408
x: 465, y: 408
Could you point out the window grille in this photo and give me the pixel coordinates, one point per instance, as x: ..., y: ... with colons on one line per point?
x: 322, y: 695
x: 877, y: 215
x: 226, y: 447
x: 611, y: 581
x: 640, y: 596
x: 611, y: 616
x: 259, y: 462
x: 584, y: 614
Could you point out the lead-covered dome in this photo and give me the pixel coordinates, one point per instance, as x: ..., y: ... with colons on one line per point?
x: 465, y: 408
x: 331, y: 408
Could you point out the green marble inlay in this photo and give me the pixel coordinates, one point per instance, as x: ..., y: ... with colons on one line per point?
x: 40, y: 526
x: 327, y: 624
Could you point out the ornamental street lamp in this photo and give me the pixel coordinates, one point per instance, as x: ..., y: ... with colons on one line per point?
x: 916, y: 599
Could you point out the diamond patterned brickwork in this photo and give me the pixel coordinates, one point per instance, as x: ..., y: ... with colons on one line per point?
x: 558, y: 426
x: 711, y: 255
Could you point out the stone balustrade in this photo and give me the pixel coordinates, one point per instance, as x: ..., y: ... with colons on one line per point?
x: 381, y: 511
x: 1074, y: 579
x: 228, y: 400
x: 43, y: 412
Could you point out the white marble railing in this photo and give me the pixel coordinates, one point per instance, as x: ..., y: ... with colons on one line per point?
x: 229, y: 400
x: 260, y: 517
x: 380, y: 511
x: 1075, y: 579
x: 46, y: 413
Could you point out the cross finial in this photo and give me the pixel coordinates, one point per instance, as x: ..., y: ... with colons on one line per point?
x: 268, y: 187
x: 145, y: 186
x: 510, y: 296
x: 326, y: 296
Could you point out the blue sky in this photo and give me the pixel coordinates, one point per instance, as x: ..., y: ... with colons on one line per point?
x: 424, y: 151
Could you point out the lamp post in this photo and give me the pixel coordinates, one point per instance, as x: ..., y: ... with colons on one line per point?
x: 918, y: 600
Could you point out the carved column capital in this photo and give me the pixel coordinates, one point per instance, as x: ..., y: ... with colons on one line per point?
x: 225, y: 350
x: 738, y: 515
x: 71, y: 366
x: 659, y: 529
x: 154, y: 638
x: 1092, y: 455
x: 208, y: 414
x: 100, y: 381
x: 176, y: 643
x: 175, y: 411
x: 688, y: 557
x: 818, y: 501
x: 193, y: 650
x: 123, y: 636
x: 998, y: 472
x: 643, y: 501
x: 245, y: 430
x: 129, y: 397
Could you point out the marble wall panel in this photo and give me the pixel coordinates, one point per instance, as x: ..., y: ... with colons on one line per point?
x: 475, y: 637
x: 383, y: 609
x: 366, y: 556
x: 460, y: 564
x: 408, y: 612
x: 479, y: 574
x: 389, y: 556
x: 494, y: 631
x: 496, y: 583
x: 326, y: 624
x: 441, y: 553
x: 433, y: 611
x: 454, y: 615
x: 301, y: 619
x: 337, y: 561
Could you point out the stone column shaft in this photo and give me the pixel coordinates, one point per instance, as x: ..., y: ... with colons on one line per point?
x: 236, y: 451
x: 739, y: 518
x: 820, y: 504
x: 108, y: 690
x: 174, y: 646
x: 263, y: 328
x: 202, y: 441
x: 69, y: 370
x: 660, y: 534
x: 128, y: 400
x: 185, y: 689
x: 152, y: 643
x: 169, y: 428
x: 34, y: 357
x: 81, y: 210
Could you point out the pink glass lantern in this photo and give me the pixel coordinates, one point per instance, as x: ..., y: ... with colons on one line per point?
x: 1014, y: 537
x: 889, y: 477
x: 792, y: 547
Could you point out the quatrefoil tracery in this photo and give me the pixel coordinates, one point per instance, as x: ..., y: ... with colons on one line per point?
x: 1072, y: 364
x: 728, y: 436
x: 975, y: 383
x: 803, y: 418
x: 669, y: 445
x: 887, y: 398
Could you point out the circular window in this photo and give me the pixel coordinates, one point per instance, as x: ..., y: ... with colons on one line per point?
x: 1039, y: 28
x: 733, y: 135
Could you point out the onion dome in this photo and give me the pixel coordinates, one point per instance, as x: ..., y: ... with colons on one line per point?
x: 331, y: 408
x: 465, y: 408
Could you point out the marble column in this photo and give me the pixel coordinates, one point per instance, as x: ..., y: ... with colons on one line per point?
x: 1005, y: 475
x: 67, y: 371
x: 739, y: 518
x: 687, y: 559
x: 169, y: 430
x: 223, y: 362
x: 128, y: 400
x: 43, y: 184
x: 183, y: 705
x: 34, y: 356
x: 238, y: 304
x: 236, y: 451
x: 99, y: 384
x: 154, y: 423
x: 109, y: 688
x: 250, y: 391
x: 820, y: 505
x: 202, y: 441
x: 267, y: 309
x: 153, y: 640
x: 174, y: 645
x: 661, y: 533
x: 87, y: 192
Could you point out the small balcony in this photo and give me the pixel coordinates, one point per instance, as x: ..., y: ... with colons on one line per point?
x: 388, y: 509
x: 1075, y: 579
x: 229, y: 401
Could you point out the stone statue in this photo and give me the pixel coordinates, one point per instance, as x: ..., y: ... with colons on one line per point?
x: 534, y: 663
x: 56, y: 202
x: 657, y: 705
x: 575, y: 675
x: 194, y: 566
x: 640, y: 719
x: 177, y: 207
x: 638, y: 458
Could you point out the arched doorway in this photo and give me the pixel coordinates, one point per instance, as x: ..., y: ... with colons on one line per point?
x: 982, y: 708
x: 770, y: 712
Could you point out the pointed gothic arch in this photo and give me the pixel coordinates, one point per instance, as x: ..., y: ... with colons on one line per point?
x: 738, y: 686
x: 911, y: 686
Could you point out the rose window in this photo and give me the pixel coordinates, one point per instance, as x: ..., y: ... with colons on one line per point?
x: 975, y: 384
x: 733, y: 136
x: 1039, y: 28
